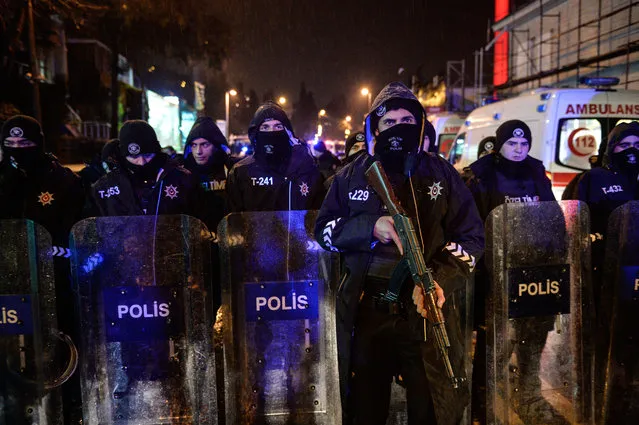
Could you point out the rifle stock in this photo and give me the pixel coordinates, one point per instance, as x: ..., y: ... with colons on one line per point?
x: 413, y: 254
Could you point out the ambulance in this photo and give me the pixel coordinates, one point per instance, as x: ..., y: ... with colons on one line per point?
x: 446, y: 126
x: 567, y: 125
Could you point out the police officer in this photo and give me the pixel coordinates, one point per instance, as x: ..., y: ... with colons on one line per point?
x: 206, y: 157
x: 506, y: 175
x: 355, y: 144
x: 615, y: 182
x: 388, y: 337
x: 146, y: 182
x: 34, y: 185
x: 280, y: 175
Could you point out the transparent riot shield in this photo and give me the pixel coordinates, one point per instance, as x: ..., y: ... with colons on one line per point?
x: 279, y: 321
x: 144, y: 293
x: 35, y: 358
x: 619, y: 386
x: 539, y: 355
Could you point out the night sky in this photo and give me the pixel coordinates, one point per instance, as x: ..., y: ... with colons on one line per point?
x: 338, y: 46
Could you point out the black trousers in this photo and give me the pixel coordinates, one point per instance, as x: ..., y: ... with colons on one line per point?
x: 383, y: 347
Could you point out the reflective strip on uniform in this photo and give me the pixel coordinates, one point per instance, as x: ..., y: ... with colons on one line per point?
x: 327, y: 234
x: 459, y: 252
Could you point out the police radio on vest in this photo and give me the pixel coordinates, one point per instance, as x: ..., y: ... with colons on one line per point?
x: 8, y: 317
x: 137, y: 311
x: 539, y: 288
x: 295, y: 302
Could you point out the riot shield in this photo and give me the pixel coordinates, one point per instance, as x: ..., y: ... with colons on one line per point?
x: 619, y: 386
x: 143, y: 290
x: 278, y: 320
x: 35, y: 358
x: 539, y: 355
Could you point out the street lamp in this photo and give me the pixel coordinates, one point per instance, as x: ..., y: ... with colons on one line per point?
x: 366, y: 92
x: 227, y: 103
x: 348, y: 118
x: 282, y: 100
x: 322, y: 112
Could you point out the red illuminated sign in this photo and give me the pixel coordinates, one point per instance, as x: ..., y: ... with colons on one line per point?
x: 500, y: 67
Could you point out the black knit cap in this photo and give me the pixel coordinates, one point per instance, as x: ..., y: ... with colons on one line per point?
x: 137, y: 137
x: 25, y: 127
x: 487, y: 145
x: 510, y: 129
x: 357, y: 137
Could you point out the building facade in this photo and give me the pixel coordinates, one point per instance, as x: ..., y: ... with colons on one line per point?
x: 556, y: 42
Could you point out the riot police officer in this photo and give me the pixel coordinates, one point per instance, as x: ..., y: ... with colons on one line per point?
x: 615, y: 182
x: 280, y: 175
x: 506, y: 175
x: 34, y: 185
x: 388, y: 336
x: 146, y: 181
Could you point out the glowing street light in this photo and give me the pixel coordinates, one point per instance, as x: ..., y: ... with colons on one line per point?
x: 347, y: 132
x: 281, y: 100
x: 366, y: 92
x: 322, y: 112
x: 227, y: 103
x: 348, y: 118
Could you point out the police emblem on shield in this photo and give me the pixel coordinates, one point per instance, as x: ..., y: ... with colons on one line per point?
x: 16, y: 132
x: 518, y: 132
x: 134, y: 149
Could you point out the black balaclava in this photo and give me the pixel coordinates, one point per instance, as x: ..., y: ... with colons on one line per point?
x: 273, y: 147
x: 395, y: 144
x: 27, y: 128
x: 626, y: 161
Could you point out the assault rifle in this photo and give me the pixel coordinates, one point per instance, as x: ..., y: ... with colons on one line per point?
x: 414, y: 256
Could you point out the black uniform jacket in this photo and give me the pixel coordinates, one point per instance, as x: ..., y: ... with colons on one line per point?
x: 254, y: 186
x: 491, y: 189
x: 604, y: 190
x: 52, y: 196
x: 175, y: 192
